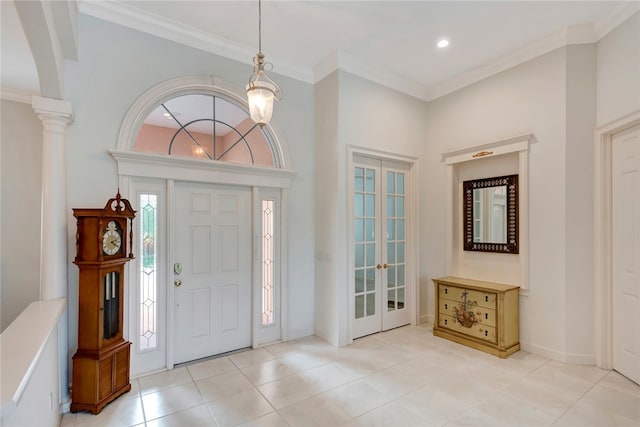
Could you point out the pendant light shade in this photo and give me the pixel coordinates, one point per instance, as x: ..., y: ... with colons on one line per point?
x: 261, y: 90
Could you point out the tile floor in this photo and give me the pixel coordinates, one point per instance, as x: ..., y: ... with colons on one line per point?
x: 404, y: 377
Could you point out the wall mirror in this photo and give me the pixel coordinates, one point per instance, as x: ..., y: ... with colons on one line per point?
x: 490, y: 212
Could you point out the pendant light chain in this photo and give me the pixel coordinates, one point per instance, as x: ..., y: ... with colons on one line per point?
x: 260, y: 26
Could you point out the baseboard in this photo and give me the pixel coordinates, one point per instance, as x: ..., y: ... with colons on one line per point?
x: 426, y: 318
x: 570, y: 358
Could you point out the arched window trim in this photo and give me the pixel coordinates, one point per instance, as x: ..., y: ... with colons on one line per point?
x: 173, y: 88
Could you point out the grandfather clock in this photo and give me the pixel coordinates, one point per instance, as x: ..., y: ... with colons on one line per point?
x: 104, y: 239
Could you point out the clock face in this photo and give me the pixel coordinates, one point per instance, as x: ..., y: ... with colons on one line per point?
x: 111, y: 239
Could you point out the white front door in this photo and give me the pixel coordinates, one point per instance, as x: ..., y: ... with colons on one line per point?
x: 626, y: 252
x: 212, y: 270
x: 381, y: 284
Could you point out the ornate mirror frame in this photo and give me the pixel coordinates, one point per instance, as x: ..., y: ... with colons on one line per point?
x: 511, y: 245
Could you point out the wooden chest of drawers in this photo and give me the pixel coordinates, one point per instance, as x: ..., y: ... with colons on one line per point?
x: 482, y: 315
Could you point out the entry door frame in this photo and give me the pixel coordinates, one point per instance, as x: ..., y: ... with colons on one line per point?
x: 263, y: 182
x: 603, y: 237
x: 412, y: 248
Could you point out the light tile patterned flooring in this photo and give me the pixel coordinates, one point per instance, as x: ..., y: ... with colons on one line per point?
x: 404, y: 377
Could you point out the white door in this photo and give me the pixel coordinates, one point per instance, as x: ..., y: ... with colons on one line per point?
x: 212, y: 270
x: 381, y: 285
x: 626, y: 252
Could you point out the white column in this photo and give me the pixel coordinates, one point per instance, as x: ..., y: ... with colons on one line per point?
x: 55, y: 116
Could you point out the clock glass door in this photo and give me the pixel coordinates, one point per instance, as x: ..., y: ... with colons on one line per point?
x: 111, y: 304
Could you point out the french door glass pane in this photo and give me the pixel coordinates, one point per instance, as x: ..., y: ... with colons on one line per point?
x: 400, y: 184
x: 358, y: 225
x: 359, y: 281
x: 359, y: 255
x: 358, y: 205
x: 359, y: 306
x: 359, y: 180
x: 370, y: 186
x: 371, y: 304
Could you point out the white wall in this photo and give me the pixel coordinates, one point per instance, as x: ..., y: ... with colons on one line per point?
x: 116, y: 65
x: 527, y: 99
x: 618, y: 71
x: 579, y: 175
x: 21, y: 156
x: 328, y: 216
x: 368, y: 115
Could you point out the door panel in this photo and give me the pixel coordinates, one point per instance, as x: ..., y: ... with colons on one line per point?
x: 212, y: 295
x: 379, y: 288
x: 626, y: 252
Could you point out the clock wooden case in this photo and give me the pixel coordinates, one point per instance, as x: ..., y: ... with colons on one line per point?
x: 103, y: 246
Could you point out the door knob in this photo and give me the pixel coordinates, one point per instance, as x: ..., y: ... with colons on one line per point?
x: 385, y: 266
x: 378, y: 266
x: 177, y: 282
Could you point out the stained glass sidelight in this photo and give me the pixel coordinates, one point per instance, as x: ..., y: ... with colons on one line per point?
x: 148, y: 339
x: 267, y: 262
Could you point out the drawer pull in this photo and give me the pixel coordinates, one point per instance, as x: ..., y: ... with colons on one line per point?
x: 445, y: 321
x: 446, y: 306
x: 486, y: 316
x: 486, y: 333
x: 486, y: 298
x: 446, y: 290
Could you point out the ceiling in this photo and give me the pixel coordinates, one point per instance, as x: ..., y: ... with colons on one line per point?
x: 390, y: 42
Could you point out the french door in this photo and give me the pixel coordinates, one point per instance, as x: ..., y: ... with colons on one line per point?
x: 626, y: 252
x: 381, y: 286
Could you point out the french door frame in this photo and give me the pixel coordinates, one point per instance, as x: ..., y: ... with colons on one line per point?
x: 412, y: 248
x: 271, y: 184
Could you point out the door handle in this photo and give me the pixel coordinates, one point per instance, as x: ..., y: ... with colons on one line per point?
x: 378, y: 266
x: 177, y: 283
x: 385, y: 266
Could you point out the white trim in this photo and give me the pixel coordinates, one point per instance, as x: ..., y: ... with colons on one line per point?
x: 15, y: 96
x: 569, y: 358
x: 504, y: 146
x: 212, y: 85
x: 124, y: 14
x: 160, y: 26
x: 603, y: 284
x: 520, y: 145
x: 620, y: 13
x: 198, y: 170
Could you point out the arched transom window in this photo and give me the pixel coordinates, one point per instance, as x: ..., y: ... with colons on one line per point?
x: 205, y: 126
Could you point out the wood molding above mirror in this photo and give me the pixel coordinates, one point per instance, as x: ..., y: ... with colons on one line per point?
x: 490, y: 214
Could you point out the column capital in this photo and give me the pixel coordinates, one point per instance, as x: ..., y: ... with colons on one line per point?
x: 49, y: 107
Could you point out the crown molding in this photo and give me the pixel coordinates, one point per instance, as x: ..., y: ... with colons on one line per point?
x: 128, y: 16
x: 617, y: 16
x: 346, y: 62
x: 580, y: 34
x: 123, y: 14
x: 7, y: 94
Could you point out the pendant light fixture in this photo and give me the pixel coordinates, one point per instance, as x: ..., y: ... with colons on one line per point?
x: 261, y: 90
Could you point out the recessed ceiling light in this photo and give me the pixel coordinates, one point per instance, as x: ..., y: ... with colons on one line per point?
x: 442, y: 43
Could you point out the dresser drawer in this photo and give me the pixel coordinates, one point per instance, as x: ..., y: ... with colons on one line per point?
x: 483, y: 299
x: 485, y: 316
x: 484, y: 332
